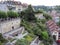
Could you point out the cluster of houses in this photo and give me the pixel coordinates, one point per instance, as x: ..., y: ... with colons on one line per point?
x: 12, y: 27
x: 12, y: 5
x: 53, y: 28
x: 55, y: 15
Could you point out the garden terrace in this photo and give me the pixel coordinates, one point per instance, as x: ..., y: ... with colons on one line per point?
x: 8, y: 15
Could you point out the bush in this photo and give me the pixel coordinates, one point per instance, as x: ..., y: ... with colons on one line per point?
x: 3, y: 14
x: 12, y: 14
x: 22, y: 42
x: 45, y: 35
x: 39, y: 11
x: 47, y: 16
x: 1, y: 43
x: 28, y: 38
x: 2, y: 40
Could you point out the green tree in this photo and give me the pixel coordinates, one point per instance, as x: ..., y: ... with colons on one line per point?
x: 58, y: 22
x: 39, y: 11
x: 47, y: 16
x: 2, y: 40
x: 45, y: 35
x: 28, y: 14
x: 43, y: 20
x: 12, y: 14
x: 37, y: 31
x: 1, y: 43
x: 22, y: 42
x: 57, y: 8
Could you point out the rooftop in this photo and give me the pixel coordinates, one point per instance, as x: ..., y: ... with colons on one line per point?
x: 52, y: 25
x: 15, y: 3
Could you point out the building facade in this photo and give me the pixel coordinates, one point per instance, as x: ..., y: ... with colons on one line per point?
x: 53, y: 29
x: 3, y: 7
x: 16, y: 6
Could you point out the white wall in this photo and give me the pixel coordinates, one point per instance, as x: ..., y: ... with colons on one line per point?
x: 56, y: 19
x: 56, y: 34
x: 39, y: 16
x: 3, y: 7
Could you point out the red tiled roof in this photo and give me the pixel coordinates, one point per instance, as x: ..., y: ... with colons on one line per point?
x: 52, y: 25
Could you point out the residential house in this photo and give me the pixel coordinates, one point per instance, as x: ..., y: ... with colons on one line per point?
x: 53, y: 29
x: 39, y: 16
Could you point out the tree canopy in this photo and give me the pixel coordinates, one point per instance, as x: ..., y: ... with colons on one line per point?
x: 28, y: 14
x: 47, y: 16
x: 22, y: 42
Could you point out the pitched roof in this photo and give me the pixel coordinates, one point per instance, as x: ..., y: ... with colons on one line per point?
x: 12, y: 2
x: 52, y: 25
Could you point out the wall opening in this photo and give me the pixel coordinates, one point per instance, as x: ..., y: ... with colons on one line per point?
x: 54, y: 36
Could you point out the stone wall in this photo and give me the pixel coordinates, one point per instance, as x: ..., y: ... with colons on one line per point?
x: 9, y: 25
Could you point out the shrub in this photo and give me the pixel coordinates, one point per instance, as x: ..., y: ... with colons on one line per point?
x: 3, y: 14
x: 12, y: 14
